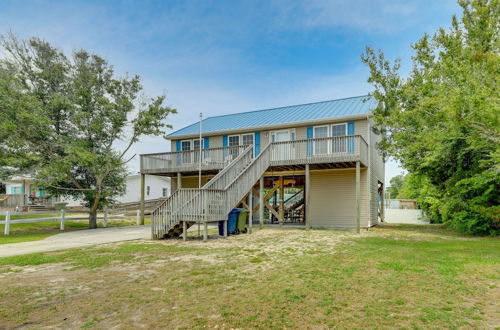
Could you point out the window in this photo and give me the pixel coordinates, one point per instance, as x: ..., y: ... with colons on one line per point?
x: 148, y: 190
x: 196, y: 144
x: 320, y: 147
x: 339, y: 145
x: 186, y: 146
x: 247, y: 139
x: 234, y: 140
x: 164, y: 192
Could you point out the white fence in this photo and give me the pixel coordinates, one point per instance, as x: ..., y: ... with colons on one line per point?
x: 405, y: 216
x: 61, y: 218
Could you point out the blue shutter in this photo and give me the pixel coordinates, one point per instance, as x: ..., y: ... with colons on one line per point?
x: 257, y: 143
x: 309, y: 144
x: 350, y: 141
x: 350, y: 128
x: 12, y: 190
x: 206, y: 143
x: 178, y: 148
x: 225, y: 144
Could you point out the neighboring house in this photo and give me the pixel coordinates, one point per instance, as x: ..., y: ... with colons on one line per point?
x: 22, y: 191
x: 155, y: 187
x: 324, y: 153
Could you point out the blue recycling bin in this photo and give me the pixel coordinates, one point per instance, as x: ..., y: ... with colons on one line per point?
x: 232, y: 220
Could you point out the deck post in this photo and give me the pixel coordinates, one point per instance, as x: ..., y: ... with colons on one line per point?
x: 143, y: 179
x: 250, y: 209
x: 205, y: 231
x: 6, y: 230
x: 61, y: 224
x: 261, y: 202
x: 308, y: 199
x: 358, y: 204
x: 282, y: 201
x: 184, y: 230
x: 225, y: 228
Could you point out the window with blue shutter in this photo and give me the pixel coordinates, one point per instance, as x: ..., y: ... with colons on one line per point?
x: 350, y: 142
x: 309, y: 144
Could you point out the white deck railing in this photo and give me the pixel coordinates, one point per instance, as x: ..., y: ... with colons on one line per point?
x: 184, y: 161
x: 322, y: 150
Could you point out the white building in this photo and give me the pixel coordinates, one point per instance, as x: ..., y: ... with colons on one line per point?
x: 155, y: 187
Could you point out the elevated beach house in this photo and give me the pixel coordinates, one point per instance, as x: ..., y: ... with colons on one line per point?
x: 311, y: 165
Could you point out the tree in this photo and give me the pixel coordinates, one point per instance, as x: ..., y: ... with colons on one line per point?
x: 442, y: 120
x: 79, y: 111
x: 396, y: 183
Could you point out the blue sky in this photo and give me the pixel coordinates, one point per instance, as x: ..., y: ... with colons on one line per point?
x: 220, y: 57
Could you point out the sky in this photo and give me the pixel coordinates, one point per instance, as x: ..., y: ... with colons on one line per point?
x: 227, y: 56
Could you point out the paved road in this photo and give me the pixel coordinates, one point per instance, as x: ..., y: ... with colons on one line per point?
x: 76, y: 239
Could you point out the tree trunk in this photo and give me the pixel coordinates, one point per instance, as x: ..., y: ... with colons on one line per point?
x: 93, y: 212
x: 93, y: 218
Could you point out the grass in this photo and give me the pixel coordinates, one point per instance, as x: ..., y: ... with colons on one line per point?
x: 403, y: 276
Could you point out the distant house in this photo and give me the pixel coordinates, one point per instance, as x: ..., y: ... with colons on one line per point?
x: 313, y: 164
x: 155, y: 187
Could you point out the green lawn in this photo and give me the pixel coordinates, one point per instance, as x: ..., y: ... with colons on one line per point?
x: 392, y: 276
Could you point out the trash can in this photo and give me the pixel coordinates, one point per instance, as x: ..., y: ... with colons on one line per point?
x: 242, y: 220
x: 232, y: 218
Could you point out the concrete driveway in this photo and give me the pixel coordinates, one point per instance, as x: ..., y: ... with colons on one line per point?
x: 76, y: 239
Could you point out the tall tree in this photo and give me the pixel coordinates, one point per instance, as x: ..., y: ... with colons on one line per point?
x: 442, y: 121
x: 80, y: 112
x: 396, y: 183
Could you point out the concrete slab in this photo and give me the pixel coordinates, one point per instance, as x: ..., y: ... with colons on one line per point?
x: 77, y: 239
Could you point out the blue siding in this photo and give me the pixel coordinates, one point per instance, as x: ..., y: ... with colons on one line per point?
x: 321, y: 110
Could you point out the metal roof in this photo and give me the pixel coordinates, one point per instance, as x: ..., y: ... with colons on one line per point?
x: 346, y: 107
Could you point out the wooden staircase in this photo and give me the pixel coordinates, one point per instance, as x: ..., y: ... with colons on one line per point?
x: 214, y: 200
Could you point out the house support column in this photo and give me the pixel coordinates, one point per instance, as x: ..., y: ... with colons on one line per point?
x: 179, y: 180
x: 282, y: 202
x: 358, y: 202
x: 143, y: 182
x: 250, y: 211
x: 308, y: 199
x: 261, y: 202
